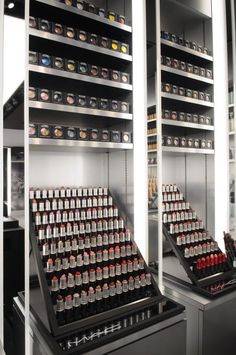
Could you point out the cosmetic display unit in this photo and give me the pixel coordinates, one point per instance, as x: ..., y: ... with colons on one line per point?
x: 209, y: 271
x: 81, y: 133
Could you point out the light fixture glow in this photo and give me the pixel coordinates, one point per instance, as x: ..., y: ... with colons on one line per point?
x: 10, y: 5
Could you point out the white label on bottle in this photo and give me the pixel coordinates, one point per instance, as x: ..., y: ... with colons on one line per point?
x: 37, y: 194
x: 64, y: 216
x: 60, y: 204
x: 34, y: 206
x: 31, y: 194
x: 41, y: 206
x: 67, y: 204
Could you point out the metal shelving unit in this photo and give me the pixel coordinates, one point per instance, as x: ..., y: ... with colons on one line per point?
x: 78, y: 110
x: 194, y: 53
x: 173, y: 71
x: 87, y: 15
x: 189, y: 100
x: 187, y: 125
x: 70, y: 145
x: 78, y: 44
x: 74, y: 76
x: 188, y: 150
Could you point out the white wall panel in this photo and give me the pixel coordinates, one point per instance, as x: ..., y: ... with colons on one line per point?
x: 59, y: 168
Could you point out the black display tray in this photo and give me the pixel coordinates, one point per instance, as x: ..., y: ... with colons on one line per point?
x: 174, y: 270
x: 195, y: 281
x: 38, y: 311
x: 88, y: 322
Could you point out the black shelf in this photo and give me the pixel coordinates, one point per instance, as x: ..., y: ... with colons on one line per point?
x: 78, y: 77
x: 79, y: 110
x: 57, y: 8
x: 92, y: 49
x: 187, y: 51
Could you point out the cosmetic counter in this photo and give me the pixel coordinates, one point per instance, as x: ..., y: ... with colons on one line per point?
x: 126, y: 207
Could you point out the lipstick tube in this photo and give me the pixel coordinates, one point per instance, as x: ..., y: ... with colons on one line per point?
x: 84, y: 304
x: 91, y: 301
x: 118, y: 272
x: 58, y: 268
x: 98, y: 298
x: 54, y: 290
x: 70, y: 284
x: 76, y: 306
x: 73, y: 264
x: 60, y: 311
x: 65, y: 266
x: 63, y: 286
x: 78, y: 282
x: 105, y: 296
x: 125, y: 293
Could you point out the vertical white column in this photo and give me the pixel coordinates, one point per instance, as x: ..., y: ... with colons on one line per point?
x: 233, y: 29
x: 221, y: 120
x: 159, y: 143
x: 28, y: 349
x: 1, y: 173
x: 139, y: 126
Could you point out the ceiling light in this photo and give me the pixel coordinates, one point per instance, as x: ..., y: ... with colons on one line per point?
x: 10, y: 4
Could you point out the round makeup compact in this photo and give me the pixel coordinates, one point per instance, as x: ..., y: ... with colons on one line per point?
x: 44, y: 25
x: 101, y: 12
x: 173, y: 115
x: 33, y: 58
x: 46, y: 60
x: 115, y: 75
x: 58, y: 132
x: 32, y: 93
x: 94, y: 70
x: 83, y: 134
x: 44, y: 131
x: 58, y: 63
x: 121, y: 19
x: 57, y: 97
x: 83, y: 68
x: 93, y: 39
x: 115, y: 137
x: 92, y: 8
x: 125, y: 78
x: 94, y: 134
x: 82, y: 100
x: 93, y: 102
x: 58, y: 29
x: 104, y: 104
x: 104, y: 43
x: 114, y: 105
x: 104, y: 73
x: 32, y: 130
x: 126, y: 137
x: 33, y: 22
x: 44, y: 95
x: 182, y: 116
x: 80, y: 5
x: 105, y: 136
x: 70, y: 32
x: 68, y: 2
x: 71, y: 133
x: 114, y: 45
x: 70, y: 99
x: 111, y: 15
x: 70, y: 65
x: 82, y: 36
x: 124, y: 107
